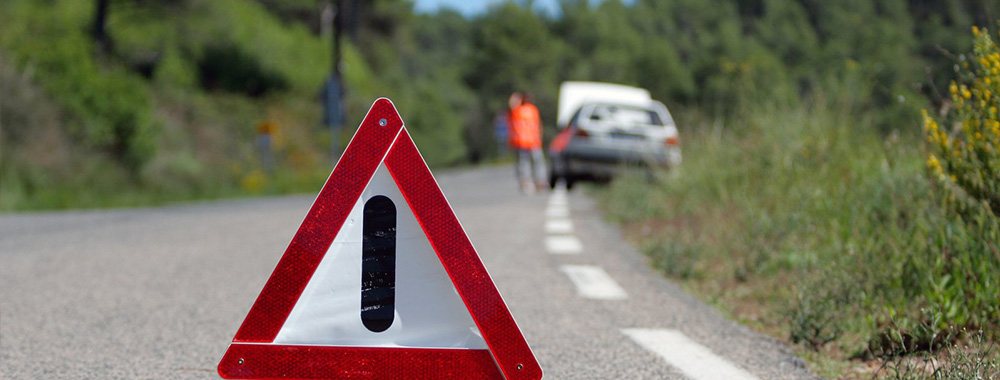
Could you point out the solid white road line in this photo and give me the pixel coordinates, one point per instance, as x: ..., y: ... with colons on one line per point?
x: 593, y: 282
x: 563, y: 245
x: 694, y: 360
x: 559, y: 226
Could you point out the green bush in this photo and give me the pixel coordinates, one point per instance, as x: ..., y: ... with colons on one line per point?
x: 110, y: 107
x: 290, y: 52
x: 226, y: 67
x: 966, y: 158
x: 964, y: 163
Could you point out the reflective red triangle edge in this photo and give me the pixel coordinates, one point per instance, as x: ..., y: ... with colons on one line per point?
x: 278, y: 361
x: 460, y: 260
x: 251, y: 355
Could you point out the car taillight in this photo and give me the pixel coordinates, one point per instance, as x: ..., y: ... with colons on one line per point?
x: 582, y: 133
x: 673, y: 141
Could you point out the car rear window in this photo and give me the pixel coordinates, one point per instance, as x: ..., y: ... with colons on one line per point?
x: 625, y: 114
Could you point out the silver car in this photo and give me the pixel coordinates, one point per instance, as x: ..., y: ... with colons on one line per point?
x: 605, y: 134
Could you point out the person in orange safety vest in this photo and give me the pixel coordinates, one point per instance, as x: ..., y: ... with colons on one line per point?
x: 525, y: 139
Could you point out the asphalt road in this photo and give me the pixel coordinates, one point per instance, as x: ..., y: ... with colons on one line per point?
x: 159, y: 292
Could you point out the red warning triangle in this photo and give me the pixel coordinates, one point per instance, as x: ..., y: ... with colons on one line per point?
x: 315, y: 318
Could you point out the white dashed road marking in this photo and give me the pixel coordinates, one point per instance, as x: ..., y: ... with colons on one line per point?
x: 559, y: 226
x: 694, y: 360
x: 557, y: 212
x: 563, y: 245
x: 593, y: 282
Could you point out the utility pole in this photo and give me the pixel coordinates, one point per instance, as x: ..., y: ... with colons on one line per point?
x: 334, y: 109
x: 99, y: 31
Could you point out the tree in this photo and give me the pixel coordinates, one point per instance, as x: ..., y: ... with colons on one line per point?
x: 99, y: 32
x: 602, y: 41
x: 512, y: 50
x: 784, y: 29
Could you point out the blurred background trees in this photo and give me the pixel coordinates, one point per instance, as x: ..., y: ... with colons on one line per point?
x: 163, y: 96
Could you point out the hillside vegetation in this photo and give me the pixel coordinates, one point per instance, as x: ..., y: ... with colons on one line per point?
x: 169, y: 111
x: 166, y: 108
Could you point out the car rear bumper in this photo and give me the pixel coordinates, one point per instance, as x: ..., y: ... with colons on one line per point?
x: 638, y: 153
x: 603, y: 160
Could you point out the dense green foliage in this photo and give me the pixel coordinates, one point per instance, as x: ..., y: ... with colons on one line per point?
x: 113, y: 108
x: 171, y: 105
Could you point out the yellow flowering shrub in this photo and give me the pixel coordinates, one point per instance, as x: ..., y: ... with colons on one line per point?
x: 965, y: 147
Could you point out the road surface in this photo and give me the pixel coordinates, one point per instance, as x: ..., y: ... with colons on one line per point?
x: 159, y: 292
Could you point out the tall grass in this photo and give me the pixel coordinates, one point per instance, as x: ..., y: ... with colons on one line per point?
x: 804, y: 222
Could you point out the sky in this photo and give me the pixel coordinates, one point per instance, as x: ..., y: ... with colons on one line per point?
x: 476, y: 7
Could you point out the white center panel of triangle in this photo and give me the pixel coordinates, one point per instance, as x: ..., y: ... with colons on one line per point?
x: 429, y: 313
